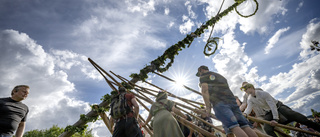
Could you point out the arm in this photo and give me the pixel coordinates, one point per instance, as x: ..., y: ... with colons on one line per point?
x: 205, y: 95
x: 147, y: 120
x: 272, y: 104
x: 191, y: 132
x: 111, y: 124
x: 249, y: 107
x: 244, y: 103
x: 20, y: 130
x: 136, y: 107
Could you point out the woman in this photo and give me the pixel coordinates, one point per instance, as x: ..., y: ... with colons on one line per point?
x: 164, y: 124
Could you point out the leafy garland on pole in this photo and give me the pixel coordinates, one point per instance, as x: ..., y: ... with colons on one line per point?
x: 156, y: 64
x: 172, y: 51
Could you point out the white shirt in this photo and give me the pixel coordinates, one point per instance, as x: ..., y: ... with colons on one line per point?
x: 257, y: 110
x: 264, y: 101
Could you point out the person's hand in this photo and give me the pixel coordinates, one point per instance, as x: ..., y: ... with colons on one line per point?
x: 273, y: 123
x: 224, y: 132
x: 255, y: 125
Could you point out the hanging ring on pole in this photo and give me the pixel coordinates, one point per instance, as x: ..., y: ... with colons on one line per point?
x: 257, y: 7
x: 210, y: 43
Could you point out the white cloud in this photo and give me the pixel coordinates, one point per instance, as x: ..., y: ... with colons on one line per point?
x: 274, y: 39
x: 262, y: 20
x: 186, y: 27
x: 141, y: 6
x: 166, y: 11
x: 313, y: 33
x: 299, y: 6
x: 27, y: 63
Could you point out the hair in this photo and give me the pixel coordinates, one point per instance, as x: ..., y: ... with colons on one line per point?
x: 243, y: 83
x: 250, y: 85
x: 122, y: 89
x: 16, y: 88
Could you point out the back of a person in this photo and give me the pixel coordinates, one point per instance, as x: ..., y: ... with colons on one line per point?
x: 218, y: 87
x: 129, y: 96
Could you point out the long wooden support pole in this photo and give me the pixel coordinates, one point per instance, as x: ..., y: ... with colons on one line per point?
x: 195, y: 91
x: 170, y: 94
x: 282, y: 126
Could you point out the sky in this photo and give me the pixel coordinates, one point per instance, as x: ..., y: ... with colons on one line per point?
x: 46, y: 45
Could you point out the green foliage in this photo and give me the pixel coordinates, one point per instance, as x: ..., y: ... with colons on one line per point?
x: 160, y: 64
x: 257, y: 7
x: 99, y: 109
x: 87, y: 119
x: 79, y: 130
x: 315, y: 45
x: 54, y: 131
x: 315, y: 113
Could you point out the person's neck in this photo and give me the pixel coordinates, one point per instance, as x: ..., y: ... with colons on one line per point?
x: 254, y: 93
x: 15, y: 99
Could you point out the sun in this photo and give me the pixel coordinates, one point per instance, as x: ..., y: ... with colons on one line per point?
x: 181, y: 80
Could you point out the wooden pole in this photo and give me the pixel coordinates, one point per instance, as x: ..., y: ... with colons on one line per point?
x: 206, y: 122
x: 280, y: 125
x: 105, y: 120
x: 170, y: 94
x: 147, y: 129
x: 197, y: 92
x: 192, y: 126
x: 181, y: 120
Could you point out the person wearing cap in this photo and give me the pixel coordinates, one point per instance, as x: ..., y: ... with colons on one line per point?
x: 217, y: 95
x: 275, y: 110
x: 13, y: 113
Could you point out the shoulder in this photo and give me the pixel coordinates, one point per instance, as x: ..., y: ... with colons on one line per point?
x: 129, y: 96
x: 207, y: 77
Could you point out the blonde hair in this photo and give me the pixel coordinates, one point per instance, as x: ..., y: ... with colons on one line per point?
x: 17, y: 87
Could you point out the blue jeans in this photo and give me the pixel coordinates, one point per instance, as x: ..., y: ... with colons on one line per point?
x: 230, y: 115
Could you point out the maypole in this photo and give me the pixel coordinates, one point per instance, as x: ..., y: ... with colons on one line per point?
x: 154, y: 66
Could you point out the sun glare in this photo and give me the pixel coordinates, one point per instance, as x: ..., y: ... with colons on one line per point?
x: 180, y: 80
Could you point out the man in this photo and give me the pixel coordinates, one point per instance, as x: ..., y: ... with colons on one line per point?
x: 215, y: 91
x: 13, y: 113
x: 127, y: 126
x: 275, y: 110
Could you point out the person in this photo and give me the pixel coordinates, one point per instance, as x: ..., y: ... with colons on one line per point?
x: 202, y: 124
x: 127, y: 126
x: 185, y: 130
x: 275, y: 110
x: 13, y: 113
x: 216, y: 92
x: 164, y: 124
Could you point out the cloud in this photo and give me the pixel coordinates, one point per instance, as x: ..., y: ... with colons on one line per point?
x: 299, y: 6
x: 274, y: 39
x: 27, y: 63
x: 186, y: 26
x: 302, y: 81
x: 141, y: 6
x: 313, y: 33
x: 166, y: 11
x: 262, y: 21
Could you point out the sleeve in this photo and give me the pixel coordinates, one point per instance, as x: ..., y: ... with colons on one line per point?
x: 245, y: 98
x: 249, y: 107
x: 272, y: 104
x: 24, y: 119
x: 170, y: 104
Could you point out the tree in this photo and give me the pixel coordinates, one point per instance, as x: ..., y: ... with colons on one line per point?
x: 54, y: 131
